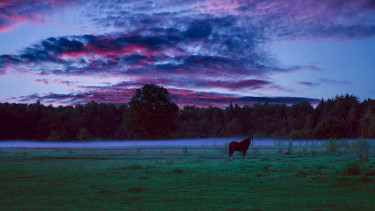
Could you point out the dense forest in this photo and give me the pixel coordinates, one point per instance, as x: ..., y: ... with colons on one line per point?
x: 341, y: 117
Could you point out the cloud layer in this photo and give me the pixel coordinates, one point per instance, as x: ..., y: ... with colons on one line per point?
x: 194, y: 48
x: 122, y: 93
x: 14, y: 13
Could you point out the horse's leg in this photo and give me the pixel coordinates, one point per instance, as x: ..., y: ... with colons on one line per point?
x: 230, y: 151
x: 244, y: 154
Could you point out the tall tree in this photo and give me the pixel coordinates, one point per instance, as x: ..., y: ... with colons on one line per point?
x: 151, y: 114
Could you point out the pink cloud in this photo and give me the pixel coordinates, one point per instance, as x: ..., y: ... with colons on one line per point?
x: 120, y: 93
x: 310, y: 84
x: 14, y: 13
x: 43, y: 81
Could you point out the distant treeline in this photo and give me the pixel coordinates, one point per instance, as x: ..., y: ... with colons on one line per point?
x: 341, y: 117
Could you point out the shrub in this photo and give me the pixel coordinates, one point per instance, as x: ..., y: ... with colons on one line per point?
x: 290, y: 148
x: 185, y: 150
x: 255, y: 151
x: 361, y: 147
x: 197, y: 159
x: 225, y: 148
x: 344, y: 145
x: 332, y: 146
x: 337, y: 146
x: 359, y: 167
x: 353, y: 168
x: 279, y: 143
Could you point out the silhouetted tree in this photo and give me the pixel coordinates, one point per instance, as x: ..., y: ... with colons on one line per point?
x: 367, y: 121
x: 331, y: 128
x: 151, y: 114
x: 217, y: 123
x: 83, y: 134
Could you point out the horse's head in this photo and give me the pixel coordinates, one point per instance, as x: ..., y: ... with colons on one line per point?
x: 251, y: 140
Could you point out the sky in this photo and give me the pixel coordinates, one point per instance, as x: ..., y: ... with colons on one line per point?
x: 204, y: 52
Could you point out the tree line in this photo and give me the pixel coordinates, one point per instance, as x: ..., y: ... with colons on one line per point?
x: 151, y: 115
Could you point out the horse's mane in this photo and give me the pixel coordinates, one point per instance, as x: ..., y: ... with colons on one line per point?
x: 247, y: 140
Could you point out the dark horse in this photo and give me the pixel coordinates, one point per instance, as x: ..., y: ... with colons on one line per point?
x: 240, y: 146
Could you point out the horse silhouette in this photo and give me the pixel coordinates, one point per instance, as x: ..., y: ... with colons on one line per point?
x: 240, y: 146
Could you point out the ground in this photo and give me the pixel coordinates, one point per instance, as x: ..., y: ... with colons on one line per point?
x: 184, y: 179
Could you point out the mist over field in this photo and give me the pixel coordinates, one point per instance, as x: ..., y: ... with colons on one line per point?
x: 119, y: 144
x: 211, y: 142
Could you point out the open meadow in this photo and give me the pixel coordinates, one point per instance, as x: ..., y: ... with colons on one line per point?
x: 278, y: 177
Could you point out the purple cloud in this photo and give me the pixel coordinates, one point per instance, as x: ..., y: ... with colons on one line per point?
x: 14, y: 13
x: 310, y: 84
x: 275, y: 19
x: 43, y: 81
x: 151, y: 58
x: 322, y: 81
x: 117, y: 95
x: 188, y: 45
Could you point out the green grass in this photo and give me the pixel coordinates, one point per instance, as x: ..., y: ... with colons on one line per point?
x: 190, y: 180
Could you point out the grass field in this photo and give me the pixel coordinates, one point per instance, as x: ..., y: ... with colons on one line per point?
x: 184, y: 179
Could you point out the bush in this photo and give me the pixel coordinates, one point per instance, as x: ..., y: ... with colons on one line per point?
x: 353, y: 168
x: 255, y: 151
x: 332, y: 146
x: 344, y: 146
x: 279, y: 143
x: 359, y: 167
x: 225, y: 148
x: 290, y: 148
x: 361, y: 147
x: 185, y: 150
x: 337, y: 146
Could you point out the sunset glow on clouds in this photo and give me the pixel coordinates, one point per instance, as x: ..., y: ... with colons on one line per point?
x: 204, y: 52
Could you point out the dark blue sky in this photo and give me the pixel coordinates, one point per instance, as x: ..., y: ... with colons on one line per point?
x: 204, y: 52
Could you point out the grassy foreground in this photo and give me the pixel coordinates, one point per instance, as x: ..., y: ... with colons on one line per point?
x: 113, y: 180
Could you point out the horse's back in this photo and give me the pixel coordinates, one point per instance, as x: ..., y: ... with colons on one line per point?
x: 239, y: 146
x: 233, y: 144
